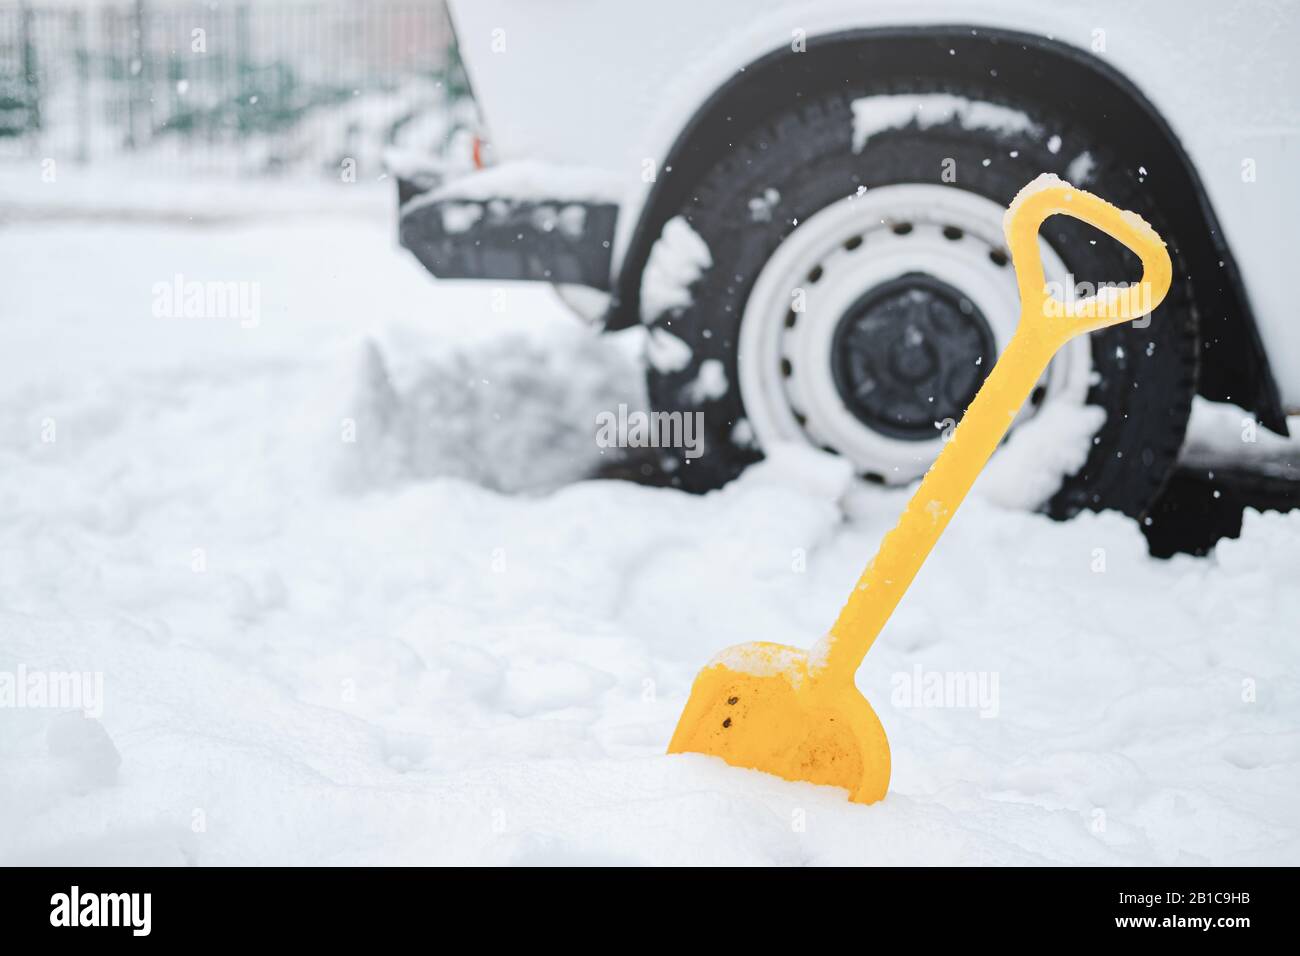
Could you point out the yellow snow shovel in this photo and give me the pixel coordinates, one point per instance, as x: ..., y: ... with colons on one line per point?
x: 798, y: 714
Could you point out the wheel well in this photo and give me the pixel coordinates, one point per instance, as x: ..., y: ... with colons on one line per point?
x: 1013, y: 67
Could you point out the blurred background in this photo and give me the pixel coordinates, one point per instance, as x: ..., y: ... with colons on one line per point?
x: 270, y: 88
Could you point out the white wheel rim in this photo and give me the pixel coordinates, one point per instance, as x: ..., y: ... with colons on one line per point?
x: 785, y: 370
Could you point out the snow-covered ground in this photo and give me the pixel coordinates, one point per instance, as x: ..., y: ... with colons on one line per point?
x: 353, y: 602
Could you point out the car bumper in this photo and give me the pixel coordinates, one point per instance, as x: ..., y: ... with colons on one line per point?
x: 525, y: 221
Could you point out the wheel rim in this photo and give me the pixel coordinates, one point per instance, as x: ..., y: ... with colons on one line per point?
x: 873, y: 324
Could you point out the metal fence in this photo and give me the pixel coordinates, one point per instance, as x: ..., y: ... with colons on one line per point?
x: 230, y: 86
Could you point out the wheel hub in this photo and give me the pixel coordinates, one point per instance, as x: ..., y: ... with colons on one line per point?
x: 875, y: 322
x: 912, y: 351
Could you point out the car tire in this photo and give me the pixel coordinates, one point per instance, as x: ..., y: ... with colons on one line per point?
x: 781, y: 176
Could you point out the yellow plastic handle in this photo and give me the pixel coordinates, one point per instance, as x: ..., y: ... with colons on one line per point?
x: 1046, y: 323
x: 1049, y: 196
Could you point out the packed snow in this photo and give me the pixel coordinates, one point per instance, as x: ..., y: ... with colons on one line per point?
x: 677, y: 260
x: 355, y: 598
x: 875, y: 114
x: 1041, y: 453
x: 666, y: 352
x: 710, y: 383
x: 1081, y: 169
x: 1220, y: 433
x: 526, y: 180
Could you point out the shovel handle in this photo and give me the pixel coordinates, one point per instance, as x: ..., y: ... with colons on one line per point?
x: 1062, y: 320
x: 1046, y: 323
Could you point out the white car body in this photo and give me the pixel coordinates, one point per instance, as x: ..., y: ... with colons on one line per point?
x: 1224, y: 76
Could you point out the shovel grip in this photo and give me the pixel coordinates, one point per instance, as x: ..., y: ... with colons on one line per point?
x: 1061, y: 320
x: 1045, y: 325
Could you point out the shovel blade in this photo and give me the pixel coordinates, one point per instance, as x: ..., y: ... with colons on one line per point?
x: 756, y: 706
